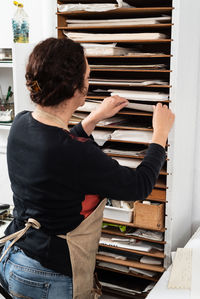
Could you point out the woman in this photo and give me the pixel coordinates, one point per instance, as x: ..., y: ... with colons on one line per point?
x: 60, y: 178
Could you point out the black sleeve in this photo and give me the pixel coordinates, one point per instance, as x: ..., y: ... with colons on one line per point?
x: 79, y: 131
x: 100, y: 174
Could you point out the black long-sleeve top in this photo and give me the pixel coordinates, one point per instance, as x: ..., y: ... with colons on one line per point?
x: 59, y: 177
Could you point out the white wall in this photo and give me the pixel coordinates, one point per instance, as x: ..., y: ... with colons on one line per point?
x: 42, y: 20
x: 196, y: 186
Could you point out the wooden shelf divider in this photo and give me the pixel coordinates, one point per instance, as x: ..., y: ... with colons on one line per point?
x: 130, y: 263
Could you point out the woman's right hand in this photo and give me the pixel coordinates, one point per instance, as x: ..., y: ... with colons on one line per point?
x: 163, y: 119
x: 110, y: 106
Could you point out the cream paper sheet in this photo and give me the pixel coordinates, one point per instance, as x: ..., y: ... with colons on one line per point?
x: 137, y: 21
x: 125, y: 82
x: 193, y: 293
x: 132, y: 135
x: 140, y: 95
x: 81, y: 36
x: 96, y: 7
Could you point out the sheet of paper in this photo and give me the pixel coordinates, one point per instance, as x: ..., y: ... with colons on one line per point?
x: 96, y: 7
x: 181, y: 273
x: 132, y: 135
x: 121, y: 67
x: 81, y: 36
x: 142, y: 95
x: 101, y: 136
x: 141, y: 271
x: 124, y: 82
x: 140, y: 246
x: 130, y: 20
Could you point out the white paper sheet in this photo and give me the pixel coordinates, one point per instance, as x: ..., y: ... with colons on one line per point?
x: 114, y: 266
x: 140, y: 246
x: 113, y: 66
x: 96, y: 7
x: 110, y: 49
x: 124, y: 82
x: 101, y: 136
x: 139, y: 95
x: 141, y: 271
x: 138, y: 21
x: 89, y: 106
x: 122, y: 152
x: 81, y: 36
x: 147, y: 234
x: 132, y: 135
x: 181, y: 273
x: 150, y: 260
x: 162, y: 285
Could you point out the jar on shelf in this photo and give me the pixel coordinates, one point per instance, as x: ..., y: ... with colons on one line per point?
x: 20, y: 24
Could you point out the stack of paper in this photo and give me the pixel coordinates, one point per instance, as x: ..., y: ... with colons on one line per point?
x: 127, y: 66
x: 157, y: 236
x: 124, y: 285
x: 150, y: 260
x: 111, y: 49
x: 94, y: 49
x: 96, y: 7
x: 113, y: 266
x: 78, y: 116
x: 114, y: 255
x: 123, y: 152
x: 132, y: 135
x: 91, y: 105
x: 115, y: 22
x: 143, y: 272
x: 82, y: 36
x: 124, y: 243
x: 126, y: 82
x: 137, y: 95
x: 141, y: 107
x: 120, y: 288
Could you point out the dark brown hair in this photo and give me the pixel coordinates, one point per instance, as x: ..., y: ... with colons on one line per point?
x: 55, y: 69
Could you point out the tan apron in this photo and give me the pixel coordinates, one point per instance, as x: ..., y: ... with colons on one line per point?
x: 83, y: 244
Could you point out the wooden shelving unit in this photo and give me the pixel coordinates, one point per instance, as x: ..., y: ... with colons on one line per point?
x: 152, y: 52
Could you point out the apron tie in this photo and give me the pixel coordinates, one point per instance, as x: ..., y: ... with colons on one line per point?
x: 17, y: 235
x: 97, y: 289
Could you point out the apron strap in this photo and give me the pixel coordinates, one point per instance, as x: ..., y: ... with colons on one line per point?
x: 17, y: 235
x: 97, y: 289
